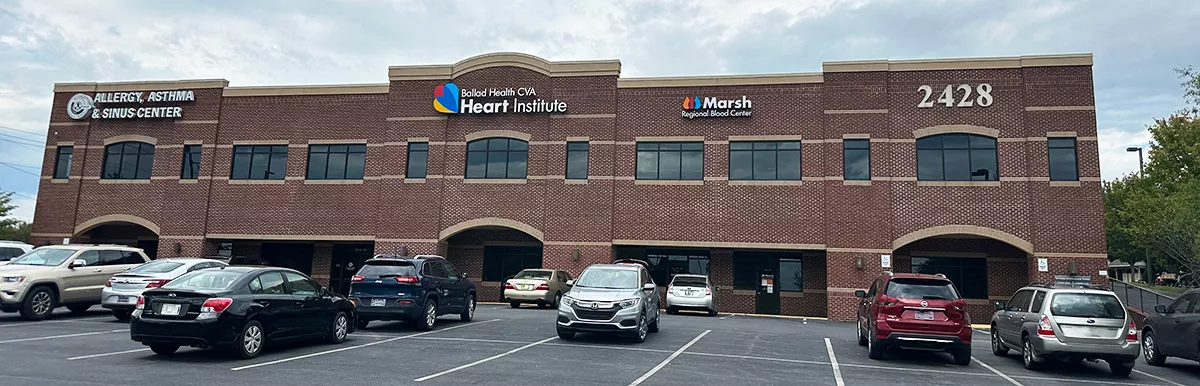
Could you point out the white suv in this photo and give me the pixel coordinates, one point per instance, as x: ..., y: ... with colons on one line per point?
x: 11, y: 249
x: 62, y: 275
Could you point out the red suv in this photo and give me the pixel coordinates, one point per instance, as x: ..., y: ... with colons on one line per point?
x: 908, y: 310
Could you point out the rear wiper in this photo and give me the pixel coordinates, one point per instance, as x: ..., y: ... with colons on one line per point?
x: 933, y: 297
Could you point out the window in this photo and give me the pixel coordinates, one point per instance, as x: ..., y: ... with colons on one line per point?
x: 435, y: 269
x: 300, y: 284
x: 225, y: 249
x: 577, y: 160
x: 270, y: 283
x: 874, y: 289
x: 62, y: 162
x: 122, y: 257
x: 1038, y: 299
x: 452, y: 272
x: 665, y: 264
x: 1063, y: 163
x: 128, y: 161
x: 1086, y: 305
x: 968, y: 274
x: 957, y: 157
x: 336, y: 162
x: 418, y: 160
x: 791, y: 275
x: 856, y: 159
x: 924, y: 289
x: 259, y: 162
x: 1185, y: 305
x: 497, y: 158
x: 1020, y: 301
x: 503, y: 262
x: 764, y: 160
x: 670, y: 161
x: 191, y: 162
x: 89, y: 258
x: 7, y: 253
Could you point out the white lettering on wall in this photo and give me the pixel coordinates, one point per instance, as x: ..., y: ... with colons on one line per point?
x: 949, y: 95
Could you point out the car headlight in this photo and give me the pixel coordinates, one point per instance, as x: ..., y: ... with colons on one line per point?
x: 12, y: 279
x: 567, y: 301
x: 630, y: 303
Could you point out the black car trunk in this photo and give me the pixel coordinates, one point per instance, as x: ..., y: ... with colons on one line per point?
x: 174, y: 304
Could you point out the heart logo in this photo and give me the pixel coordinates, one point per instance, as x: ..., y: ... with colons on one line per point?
x: 445, y: 98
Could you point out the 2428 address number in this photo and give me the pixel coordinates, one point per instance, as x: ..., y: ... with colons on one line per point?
x: 950, y: 98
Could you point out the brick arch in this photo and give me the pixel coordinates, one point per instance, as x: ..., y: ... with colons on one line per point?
x: 130, y: 138
x: 1006, y: 237
x: 98, y: 221
x: 491, y: 221
x: 944, y: 129
x: 499, y: 133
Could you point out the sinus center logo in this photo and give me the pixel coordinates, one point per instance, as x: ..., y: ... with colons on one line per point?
x: 445, y: 98
x: 79, y: 106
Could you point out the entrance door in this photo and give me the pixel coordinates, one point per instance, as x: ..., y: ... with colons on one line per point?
x: 346, y: 261
x: 767, y: 301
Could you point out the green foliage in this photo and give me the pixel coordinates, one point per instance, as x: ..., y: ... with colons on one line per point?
x: 11, y: 228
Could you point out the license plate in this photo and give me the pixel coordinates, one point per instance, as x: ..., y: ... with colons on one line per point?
x: 123, y: 299
x: 169, y: 309
x: 378, y: 302
x: 924, y: 315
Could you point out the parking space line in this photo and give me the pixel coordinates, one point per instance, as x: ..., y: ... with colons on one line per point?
x: 485, y: 360
x: 358, y: 346
x: 1173, y: 383
x: 107, y: 354
x: 664, y: 363
x: 985, y: 365
x: 609, y: 347
x: 61, y: 336
x: 837, y: 373
x: 472, y: 340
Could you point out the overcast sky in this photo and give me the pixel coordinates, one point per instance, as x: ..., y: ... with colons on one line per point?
x: 1136, y: 44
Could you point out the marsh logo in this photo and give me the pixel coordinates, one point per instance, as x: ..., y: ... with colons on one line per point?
x: 79, y: 106
x: 450, y: 99
x: 445, y: 98
x: 712, y: 107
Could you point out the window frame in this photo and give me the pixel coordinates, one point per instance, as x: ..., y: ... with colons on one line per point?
x: 845, y: 160
x: 62, y: 172
x: 970, y: 148
x: 799, y: 261
x: 1050, y: 156
x: 253, y: 150
x: 121, y: 154
x: 658, y: 151
x: 488, y: 153
x: 775, y: 150
x: 351, y: 149
x: 192, y: 160
x: 586, y: 150
x: 408, y: 160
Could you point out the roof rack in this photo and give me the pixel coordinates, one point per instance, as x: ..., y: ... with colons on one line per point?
x: 1068, y: 284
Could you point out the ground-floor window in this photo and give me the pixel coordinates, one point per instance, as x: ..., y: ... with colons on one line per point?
x: 749, y: 268
x: 665, y: 264
x: 969, y: 275
x: 791, y: 275
x: 503, y: 262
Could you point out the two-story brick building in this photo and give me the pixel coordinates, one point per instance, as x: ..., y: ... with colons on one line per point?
x: 790, y: 190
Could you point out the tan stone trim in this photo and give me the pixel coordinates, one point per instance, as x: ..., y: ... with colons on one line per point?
x: 433, y: 118
x: 189, y: 181
x: 260, y: 142
x: 856, y: 182
x: 960, y: 63
x: 843, y: 290
x: 160, y: 147
x: 1060, y: 108
x: 811, y: 178
x: 413, y: 180
x: 59, y: 180
x: 498, y: 133
x: 429, y: 241
x: 894, y: 140
x: 790, y: 294
x: 668, y: 182
x: 452, y: 177
x: 623, y: 178
x: 575, y: 182
x: 413, y: 139
x: 717, y: 244
x: 764, y: 183
x: 97, y: 221
x: 716, y: 178
x: 1089, y: 179
x: 1065, y: 184
x: 547, y: 177
x: 293, y: 178
x: 55, y: 124
x: 337, y: 141
x: 333, y: 182
x: 505, y: 59
x: 161, y: 85
x: 954, y: 64
x: 244, y: 236
x: 734, y: 138
x: 1056, y: 60
x: 197, y: 122
x: 130, y: 137
x: 600, y: 177
x: 579, y: 139
x: 582, y: 116
x: 491, y: 221
x: 221, y: 178
x: 1039, y: 179
x: 544, y: 143
x: 579, y: 243
x: 85, y: 87
x: 947, y: 254
x: 158, y: 178
x: 257, y: 182
x: 811, y: 141
x: 62, y: 143
x: 866, y: 111
x: 194, y: 142
x: 1017, y: 139
x: 859, y: 250
x: 51, y: 234
x: 856, y: 136
x: 855, y: 66
x: 729, y: 80
x: 1061, y: 134
x: 942, y: 129
x: 107, y: 181
x: 679, y: 138
x: 966, y: 230
x: 739, y: 292
x: 625, y: 143
x: 1081, y: 139
x: 958, y: 183
x: 182, y: 237
x: 495, y: 181
x: 1014, y: 179
x: 332, y: 89
x: 602, y: 142
x: 1070, y: 254
x: 1007, y: 260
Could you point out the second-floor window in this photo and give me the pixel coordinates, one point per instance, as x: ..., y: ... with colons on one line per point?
x: 62, y: 162
x: 418, y: 160
x: 957, y: 157
x: 336, y: 162
x: 670, y: 160
x: 497, y: 158
x: 856, y: 159
x: 259, y: 162
x: 764, y: 160
x: 128, y: 161
x: 191, y: 162
x: 577, y: 160
x: 1063, y: 161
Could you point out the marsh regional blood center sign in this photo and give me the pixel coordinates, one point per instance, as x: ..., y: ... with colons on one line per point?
x: 129, y: 105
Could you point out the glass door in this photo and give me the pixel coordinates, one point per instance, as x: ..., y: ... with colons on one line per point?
x: 767, y: 299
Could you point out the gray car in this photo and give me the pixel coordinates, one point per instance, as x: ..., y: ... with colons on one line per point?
x: 543, y: 287
x: 1058, y: 322
x: 122, y: 290
x: 610, y: 298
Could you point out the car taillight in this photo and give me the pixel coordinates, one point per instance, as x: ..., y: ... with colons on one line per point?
x: 508, y: 285
x: 958, y: 305
x: 542, y: 287
x: 888, y: 301
x: 1044, y: 327
x: 357, y: 278
x: 707, y: 291
x: 1132, y: 335
x: 108, y: 283
x: 141, y: 303
x: 155, y: 283
x: 212, y: 308
x: 670, y: 288
x: 407, y: 279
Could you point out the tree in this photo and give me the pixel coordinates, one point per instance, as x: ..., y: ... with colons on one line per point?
x: 6, y: 208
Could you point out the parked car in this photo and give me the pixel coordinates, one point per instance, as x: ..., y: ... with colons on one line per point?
x: 11, y: 249
x: 618, y: 298
x: 62, y: 275
x: 121, y: 291
x: 543, y: 287
x: 242, y: 309
x: 691, y: 292
x: 1179, y: 327
x: 1065, y: 322
x: 415, y: 289
x: 908, y: 310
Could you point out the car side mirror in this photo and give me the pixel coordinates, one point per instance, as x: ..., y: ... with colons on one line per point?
x: 1162, y: 309
x: 1000, y: 306
x: 77, y: 263
x: 860, y: 294
x: 648, y: 287
x: 464, y: 275
x: 570, y: 283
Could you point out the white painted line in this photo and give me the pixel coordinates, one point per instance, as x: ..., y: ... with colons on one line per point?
x: 1173, y: 383
x: 107, y: 354
x: 485, y: 360
x: 472, y: 340
x: 1076, y: 380
x: 580, y: 346
x: 985, y: 365
x: 918, y: 370
x: 61, y: 336
x: 837, y: 373
x: 664, y: 363
x: 358, y: 346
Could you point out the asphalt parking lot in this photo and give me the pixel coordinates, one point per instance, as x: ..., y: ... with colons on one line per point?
x: 507, y: 346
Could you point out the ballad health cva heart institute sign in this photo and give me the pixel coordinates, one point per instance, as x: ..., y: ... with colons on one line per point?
x: 449, y: 99
x: 127, y: 105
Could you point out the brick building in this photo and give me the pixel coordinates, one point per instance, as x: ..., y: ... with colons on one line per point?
x: 983, y: 169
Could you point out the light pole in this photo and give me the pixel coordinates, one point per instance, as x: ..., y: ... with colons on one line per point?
x: 1141, y: 169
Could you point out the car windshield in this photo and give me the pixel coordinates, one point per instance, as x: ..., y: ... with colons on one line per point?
x: 1086, y: 305
x: 685, y: 281
x: 923, y: 289
x: 383, y: 269
x: 44, y: 256
x: 533, y: 275
x: 204, y: 280
x: 615, y: 278
x: 156, y: 267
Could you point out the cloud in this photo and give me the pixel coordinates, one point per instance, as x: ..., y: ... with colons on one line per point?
x: 24, y: 208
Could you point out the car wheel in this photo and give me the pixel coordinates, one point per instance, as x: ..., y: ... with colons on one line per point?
x: 164, y: 349
x: 639, y: 336
x: 1120, y: 369
x: 430, y: 318
x: 712, y: 312
x: 1150, y: 349
x: 38, y: 304
x: 79, y: 309
x: 874, y: 349
x: 249, y: 343
x: 514, y: 304
x: 543, y: 305
x: 672, y: 310
x: 565, y: 334
x: 654, y: 325
x: 862, y: 339
x: 340, y: 328
x: 1028, y: 357
x: 557, y: 299
x: 998, y: 347
x: 122, y: 315
x: 468, y: 313
x: 962, y: 356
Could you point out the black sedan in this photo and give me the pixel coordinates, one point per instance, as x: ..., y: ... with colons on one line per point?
x: 1173, y: 330
x: 240, y: 309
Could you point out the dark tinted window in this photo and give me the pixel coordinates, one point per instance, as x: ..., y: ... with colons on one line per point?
x: 300, y: 284
x: 874, y: 289
x: 1085, y: 305
x: 534, y: 274
x: 387, y: 269
x: 791, y: 275
x: 336, y: 162
x: 434, y: 268
x: 856, y: 159
x: 497, y: 158
x: 90, y: 257
x: 667, y: 263
x: 128, y: 161
x: 160, y: 266
x: 418, y: 160
x: 764, y: 160
x: 969, y: 275
x: 7, y: 253
x: 1063, y: 163
x: 452, y: 271
x: 577, y: 160
x: 62, y: 162
x: 204, y: 281
x: 921, y: 289
x: 191, y: 162
x: 270, y: 283
x: 259, y: 162
x: 1189, y: 304
x: 1020, y: 301
x: 957, y: 157
x: 130, y: 257
x: 689, y: 281
x: 1038, y: 299
x: 670, y: 161
x: 503, y: 262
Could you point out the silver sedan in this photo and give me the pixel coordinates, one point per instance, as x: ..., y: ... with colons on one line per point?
x: 543, y: 287
x: 691, y: 292
x: 122, y: 290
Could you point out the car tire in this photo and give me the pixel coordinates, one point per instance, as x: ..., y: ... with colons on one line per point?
x: 514, y: 304
x: 639, y: 335
x: 672, y: 310
x: 339, y: 329
x: 557, y: 299
x: 164, y: 349
x: 468, y: 312
x: 1120, y: 369
x: 1153, y: 356
x: 565, y: 334
x: 39, y: 303
x: 250, y: 340
x: 1028, y: 355
x: 362, y: 323
x: 79, y: 309
x: 429, y: 317
x: 712, y: 312
x: 122, y: 315
x: 998, y: 347
x: 653, y: 328
x: 874, y: 349
x: 862, y: 339
x: 962, y: 356
x: 543, y: 305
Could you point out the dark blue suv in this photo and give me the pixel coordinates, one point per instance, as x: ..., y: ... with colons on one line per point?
x: 416, y: 289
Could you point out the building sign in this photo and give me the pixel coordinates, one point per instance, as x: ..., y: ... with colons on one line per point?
x: 885, y: 261
x: 1074, y: 280
x: 712, y: 107
x: 449, y: 99
x: 128, y: 105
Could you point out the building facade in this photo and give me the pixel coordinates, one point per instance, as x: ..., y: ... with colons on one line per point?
x: 790, y: 190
